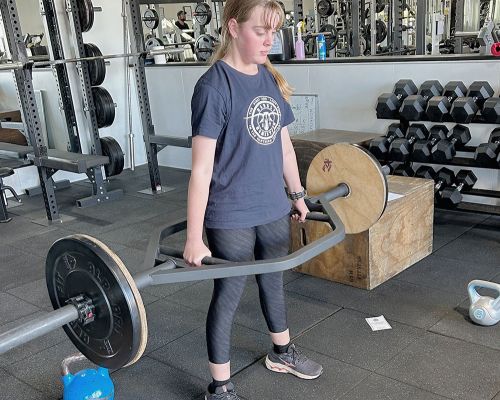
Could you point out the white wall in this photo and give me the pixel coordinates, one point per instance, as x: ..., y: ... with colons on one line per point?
x: 347, y: 96
x: 31, y: 20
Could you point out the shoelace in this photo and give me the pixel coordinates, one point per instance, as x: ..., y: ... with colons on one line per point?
x: 296, y: 356
x: 229, y: 395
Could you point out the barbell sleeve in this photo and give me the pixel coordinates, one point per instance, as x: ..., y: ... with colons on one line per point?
x: 11, y: 66
x: 466, y: 34
x: 37, y: 327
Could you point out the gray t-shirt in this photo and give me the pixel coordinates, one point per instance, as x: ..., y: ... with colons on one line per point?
x: 245, y: 113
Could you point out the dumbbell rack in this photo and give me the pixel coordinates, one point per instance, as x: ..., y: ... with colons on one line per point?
x: 471, y: 163
x: 100, y: 194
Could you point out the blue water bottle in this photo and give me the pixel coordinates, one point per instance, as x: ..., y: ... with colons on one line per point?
x: 321, y: 45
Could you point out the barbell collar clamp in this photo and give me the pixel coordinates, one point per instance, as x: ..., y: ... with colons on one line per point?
x: 85, y: 308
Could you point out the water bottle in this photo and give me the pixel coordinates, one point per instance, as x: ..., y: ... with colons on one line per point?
x: 321, y: 45
x: 300, y: 53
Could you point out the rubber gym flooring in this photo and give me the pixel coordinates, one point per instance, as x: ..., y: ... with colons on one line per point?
x: 433, y: 352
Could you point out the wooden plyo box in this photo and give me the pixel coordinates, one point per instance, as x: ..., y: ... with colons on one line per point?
x: 399, y: 239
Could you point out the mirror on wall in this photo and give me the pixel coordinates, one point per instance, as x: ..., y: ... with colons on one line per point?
x: 401, y: 27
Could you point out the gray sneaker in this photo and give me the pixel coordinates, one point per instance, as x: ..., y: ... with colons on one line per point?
x: 225, y: 392
x: 292, y: 362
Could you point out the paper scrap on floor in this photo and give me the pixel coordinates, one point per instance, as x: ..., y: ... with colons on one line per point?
x: 393, y: 196
x: 378, y: 323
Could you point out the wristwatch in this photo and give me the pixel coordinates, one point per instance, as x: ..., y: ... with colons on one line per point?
x: 296, y: 195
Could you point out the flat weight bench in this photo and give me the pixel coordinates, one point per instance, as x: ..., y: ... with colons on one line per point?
x: 4, y: 173
x: 57, y: 159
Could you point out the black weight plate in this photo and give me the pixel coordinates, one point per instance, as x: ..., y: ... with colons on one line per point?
x: 111, y: 148
x: 324, y: 7
x: 203, y: 13
x: 332, y: 39
x: 152, y: 42
x: 91, y: 15
x: 204, y: 47
x: 110, y: 110
x: 86, y: 15
x: 151, y: 18
x: 97, y: 68
x: 104, y: 107
x: 381, y: 31
x: 380, y: 5
x: 81, y: 265
x: 343, y: 8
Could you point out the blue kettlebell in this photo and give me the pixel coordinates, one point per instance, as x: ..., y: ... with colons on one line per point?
x: 88, y: 384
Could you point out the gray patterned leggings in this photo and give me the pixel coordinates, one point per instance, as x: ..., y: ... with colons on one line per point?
x: 261, y: 242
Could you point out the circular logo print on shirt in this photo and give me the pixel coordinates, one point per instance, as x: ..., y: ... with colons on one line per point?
x: 263, y: 119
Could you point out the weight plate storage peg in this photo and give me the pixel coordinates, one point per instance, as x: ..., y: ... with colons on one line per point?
x: 117, y: 336
x: 151, y: 18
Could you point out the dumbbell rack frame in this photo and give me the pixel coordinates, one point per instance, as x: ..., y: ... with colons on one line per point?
x: 100, y: 194
x: 471, y: 163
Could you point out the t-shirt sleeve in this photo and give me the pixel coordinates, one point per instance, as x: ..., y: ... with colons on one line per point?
x: 288, y: 116
x: 208, y: 111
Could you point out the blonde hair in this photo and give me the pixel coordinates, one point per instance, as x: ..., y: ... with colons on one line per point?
x: 241, y: 11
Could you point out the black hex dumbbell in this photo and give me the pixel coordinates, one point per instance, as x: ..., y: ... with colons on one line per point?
x: 401, y: 148
x: 414, y: 106
x: 452, y: 196
x: 438, y: 107
x: 491, y: 110
x: 379, y: 147
x: 388, y: 104
x: 488, y: 154
x: 443, y: 178
x: 422, y: 148
x: 397, y: 168
x: 446, y: 149
x: 464, y: 109
x: 404, y: 169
